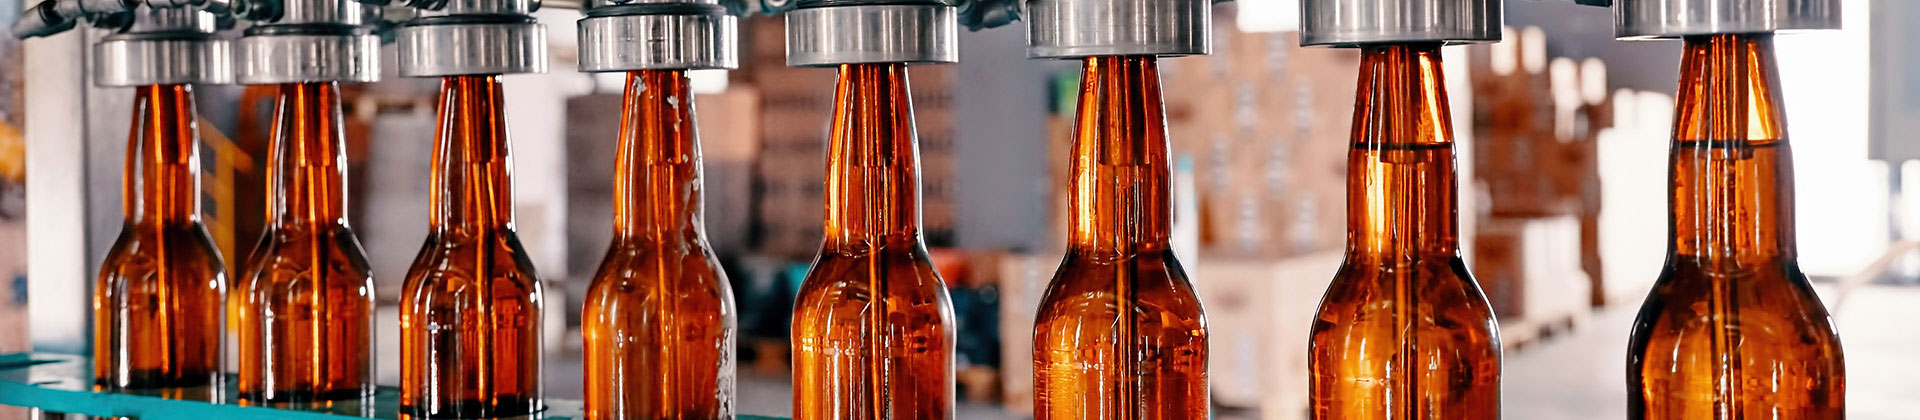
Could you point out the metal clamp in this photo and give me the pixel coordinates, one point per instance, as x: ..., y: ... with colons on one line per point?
x: 1646, y: 19
x: 1356, y: 22
x: 300, y: 41
x: 834, y: 32
x: 1079, y: 28
x: 650, y: 35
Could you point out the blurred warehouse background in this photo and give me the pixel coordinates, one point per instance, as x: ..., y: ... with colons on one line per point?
x: 1564, y: 135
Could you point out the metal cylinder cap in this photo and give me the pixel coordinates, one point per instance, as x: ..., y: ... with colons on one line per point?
x: 1080, y: 28
x: 460, y: 45
x: 301, y: 58
x: 658, y: 36
x: 164, y: 46
x: 309, y: 41
x: 1355, y: 22
x: 1647, y: 19
x: 835, y: 32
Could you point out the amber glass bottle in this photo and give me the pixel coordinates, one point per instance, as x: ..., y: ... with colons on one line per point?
x: 1120, y: 333
x: 1732, y: 329
x: 470, y: 313
x: 659, y: 317
x: 872, y: 324
x: 305, y: 303
x: 158, y: 303
x: 1403, y: 332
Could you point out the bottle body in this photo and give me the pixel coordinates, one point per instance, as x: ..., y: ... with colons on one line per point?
x: 873, y: 329
x: 659, y: 324
x: 159, y: 299
x: 1120, y: 333
x: 1403, y: 331
x: 304, y: 306
x: 1732, y: 329
x: 471, y: 309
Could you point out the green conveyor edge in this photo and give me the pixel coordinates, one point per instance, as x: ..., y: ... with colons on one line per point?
x: 62, y: 383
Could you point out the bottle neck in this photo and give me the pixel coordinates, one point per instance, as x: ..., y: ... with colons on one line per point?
x: 471, y: 189
x: 1400, y: 178
x: 656, y: 187
x: 162, y: 179
x: 873, y: 179
x: 307, y: 167
x: 1732, y: 170
x: 1118, y: 193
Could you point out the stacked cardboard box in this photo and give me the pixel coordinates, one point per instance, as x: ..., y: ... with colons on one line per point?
x: 1267, y: 124
x: 1530, y: 271
x: 1515, y: 147
x: 1259, y: 318
x: 796, y: 108
x: 1536, y: 122
x: 728, y: 143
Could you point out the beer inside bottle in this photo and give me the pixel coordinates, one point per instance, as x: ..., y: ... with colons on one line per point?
x: 872, y: 325
x: 1403, y: 331
x: 1120, y: 333
x: 305, y: 306
x: 158, y: 304
x: 659, y: 319
x: 1732, y: 329
x: 470, y: 312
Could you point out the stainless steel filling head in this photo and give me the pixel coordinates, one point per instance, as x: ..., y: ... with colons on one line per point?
x: 836, y: 32
x: 1356, y: 22
x: 450, y: 49
x: 1080, y: 28
x: 1644, y: 19
x: 658, y: 36
x: 310, y: 41
x: 307, y: 57
x: 164, y: 46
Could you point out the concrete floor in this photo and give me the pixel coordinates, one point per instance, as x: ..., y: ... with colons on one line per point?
x: 1581, y: 375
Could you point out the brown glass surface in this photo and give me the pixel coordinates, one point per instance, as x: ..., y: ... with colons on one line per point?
x: 1403, y: 331
x: 157, y: 305
x: 1732, y: 330
x: 659, y: 317
x: 1120, y: 333
x: 304, y: 308
x: 470, y: 313
x: 872, y: 324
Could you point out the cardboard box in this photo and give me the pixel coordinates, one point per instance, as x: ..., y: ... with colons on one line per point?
x: 1268, y: 126
x: 1530, y: 268
x: 1259, y: 318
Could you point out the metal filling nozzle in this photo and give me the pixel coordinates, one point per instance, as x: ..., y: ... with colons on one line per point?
x: 1357, y: 22
x: 1080, y: 28
x: 1650, y: 19
x: 620, y: 35
x: 462, y: 37
x: 295, y: 41
x: 834, y: 32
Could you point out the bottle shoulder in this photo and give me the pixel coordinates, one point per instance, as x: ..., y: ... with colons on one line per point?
x: 629, y: 275
x: 181, y: 251
x: 1771, y: 302
x: 288, y: 252
x: 456, y: 265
